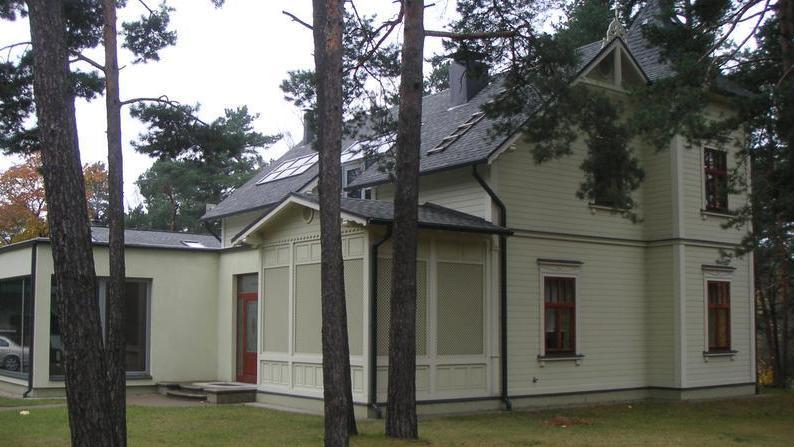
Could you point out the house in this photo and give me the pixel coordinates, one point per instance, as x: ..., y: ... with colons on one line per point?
x: 527, y: 296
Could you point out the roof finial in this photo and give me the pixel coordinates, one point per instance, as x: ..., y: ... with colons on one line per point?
x: 615, y: 28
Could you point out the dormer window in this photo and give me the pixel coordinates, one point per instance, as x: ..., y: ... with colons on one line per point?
x: 715, y: 173
x: 349, y: 174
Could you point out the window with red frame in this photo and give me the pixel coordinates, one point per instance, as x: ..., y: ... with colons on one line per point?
x: 560, y: 315
x: 719, y: 296
x: 715, y: 168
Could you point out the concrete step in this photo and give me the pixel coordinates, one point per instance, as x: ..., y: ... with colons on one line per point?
x: 179, y: 394
x: 191, y: 387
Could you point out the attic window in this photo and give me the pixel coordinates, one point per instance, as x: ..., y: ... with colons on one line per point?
x: 193, y: 244
x: 462, y: 129
x: 290, y: 168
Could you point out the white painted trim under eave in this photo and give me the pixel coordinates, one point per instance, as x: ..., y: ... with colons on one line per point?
x: 289, y: 201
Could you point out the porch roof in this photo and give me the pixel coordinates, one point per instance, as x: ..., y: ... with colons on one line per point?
x: 380, y: 212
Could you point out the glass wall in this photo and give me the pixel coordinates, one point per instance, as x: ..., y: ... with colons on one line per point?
x: 16, y: 326
x: 136, y: 327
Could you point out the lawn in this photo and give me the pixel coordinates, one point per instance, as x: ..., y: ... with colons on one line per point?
x: 765, y: 421
x: 6, y: 402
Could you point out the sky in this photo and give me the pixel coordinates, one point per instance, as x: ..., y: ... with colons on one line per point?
x: 224, y: 58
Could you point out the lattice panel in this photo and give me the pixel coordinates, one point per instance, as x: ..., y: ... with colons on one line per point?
x: 460, y: 309
x: 384, y: 306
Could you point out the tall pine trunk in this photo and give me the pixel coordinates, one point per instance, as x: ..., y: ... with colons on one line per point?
x: 337, y: 390
x: 115, y: 344
x: 401, y: 409
x: 89, y: 405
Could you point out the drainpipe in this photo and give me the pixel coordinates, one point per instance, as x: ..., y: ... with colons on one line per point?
x: 373, y: 323
x: 32, y: 318
x: 502, y: 286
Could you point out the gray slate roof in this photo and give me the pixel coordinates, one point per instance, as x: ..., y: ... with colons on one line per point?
x: 430, y: 215
x: 439, y: 121
x: 162, y: 239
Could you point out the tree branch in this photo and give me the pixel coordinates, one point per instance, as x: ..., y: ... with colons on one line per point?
x: 469, y: 36
x: 296, y: 19
x: 81, y: 57
x: 161, y: 100
x: 151, y: 11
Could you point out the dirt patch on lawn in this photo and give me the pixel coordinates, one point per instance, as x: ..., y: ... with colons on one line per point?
x: 565, y: 422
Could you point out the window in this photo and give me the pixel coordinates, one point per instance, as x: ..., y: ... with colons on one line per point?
x: 715, y: 170
x: 559, y: 315
x: 719, y: 315
x: 136, y: 327
x: 350, y: 173
x: 606, y: 189
x: 16, y: 328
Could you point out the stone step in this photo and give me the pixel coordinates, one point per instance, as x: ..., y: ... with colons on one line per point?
x: 186, y: 395
x: 191, y: 387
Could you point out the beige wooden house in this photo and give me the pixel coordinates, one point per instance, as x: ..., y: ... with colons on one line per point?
x: 528, y: 296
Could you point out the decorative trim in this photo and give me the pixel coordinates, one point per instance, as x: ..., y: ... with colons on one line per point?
x: 717, y: 268
x: 560, y: 262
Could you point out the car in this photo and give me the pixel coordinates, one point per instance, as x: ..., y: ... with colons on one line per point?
x: 12, y: 355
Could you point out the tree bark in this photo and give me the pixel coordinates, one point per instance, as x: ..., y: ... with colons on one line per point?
x: 337, y: 390
x: 116, y: 343
x: 85, y: 370
x: 401, y: 410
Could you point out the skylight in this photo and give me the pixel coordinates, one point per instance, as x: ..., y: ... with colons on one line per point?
x: 290, y: 168
x: 355, y: 151
x: 193, y: 244
x: 373, y: 146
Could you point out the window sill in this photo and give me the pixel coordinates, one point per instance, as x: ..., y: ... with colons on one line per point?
x: 705, y: 214
x: 594, y: 208
x: 717, y: 354
x: 577, y: 358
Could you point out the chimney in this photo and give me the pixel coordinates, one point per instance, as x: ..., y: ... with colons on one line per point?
x: 308, y: 127
x: 467, y: 76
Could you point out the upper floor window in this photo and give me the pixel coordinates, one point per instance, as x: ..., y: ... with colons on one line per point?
x: 349, y: 174
x: 719, y: 315
x: 559, y: 314
x: 606, y: 189
x: 715, y: 170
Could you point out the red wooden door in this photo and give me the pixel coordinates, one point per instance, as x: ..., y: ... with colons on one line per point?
x: 246, y: 337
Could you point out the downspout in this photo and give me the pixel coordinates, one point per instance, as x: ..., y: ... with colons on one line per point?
x: 502, y: 286
x: 32, y: 317
x: 373, y: 323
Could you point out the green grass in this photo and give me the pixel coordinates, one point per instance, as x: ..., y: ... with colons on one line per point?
x: 6, y: 402
x: 767, y: 421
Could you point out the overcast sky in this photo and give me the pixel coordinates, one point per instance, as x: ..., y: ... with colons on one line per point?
x: 224, y: 58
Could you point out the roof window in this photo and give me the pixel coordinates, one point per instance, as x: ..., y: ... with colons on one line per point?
x: 290, y: 168
x: 462, y: 129
x: 193, y: 244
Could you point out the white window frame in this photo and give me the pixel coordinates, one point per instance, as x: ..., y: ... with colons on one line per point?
x: 716, y: 274
x: 560, y: 269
